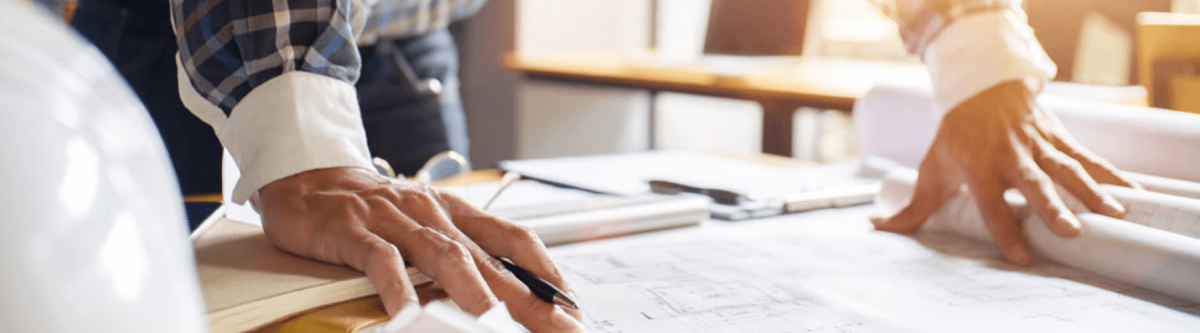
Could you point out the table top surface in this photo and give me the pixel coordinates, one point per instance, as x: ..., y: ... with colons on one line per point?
x: 809, y: 81
x: 829, y: 81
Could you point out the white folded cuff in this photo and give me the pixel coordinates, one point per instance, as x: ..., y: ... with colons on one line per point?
x: 980, y: 51
x: 296, y: 122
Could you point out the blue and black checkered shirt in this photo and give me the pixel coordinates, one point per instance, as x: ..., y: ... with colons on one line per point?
x: 229, y: 47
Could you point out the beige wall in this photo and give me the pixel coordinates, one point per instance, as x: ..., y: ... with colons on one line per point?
x: 488, y: 89
x: 555, y: 118
x: 582, y: 25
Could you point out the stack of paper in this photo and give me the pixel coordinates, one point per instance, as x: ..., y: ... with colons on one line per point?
x: 249, y: 283
x: 562, y: 215
x: 769, y: 187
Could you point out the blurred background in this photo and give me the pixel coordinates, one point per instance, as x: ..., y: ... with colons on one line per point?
x: 548, y: 78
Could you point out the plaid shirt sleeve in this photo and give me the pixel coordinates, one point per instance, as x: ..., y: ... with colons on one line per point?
x: 275, y: 78
x: 228, y: 47
x: 921, y: 21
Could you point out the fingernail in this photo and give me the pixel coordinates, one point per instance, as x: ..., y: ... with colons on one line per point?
x: 877, y: 221
x: 1069, y: 218
x: 1113, y: 208
x: 1019, y: 254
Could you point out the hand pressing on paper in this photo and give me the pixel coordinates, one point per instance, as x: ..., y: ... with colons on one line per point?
x: 354, y: 217
x: 1000, y: 139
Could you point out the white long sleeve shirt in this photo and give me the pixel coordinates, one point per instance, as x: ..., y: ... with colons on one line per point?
x: 971, y: 45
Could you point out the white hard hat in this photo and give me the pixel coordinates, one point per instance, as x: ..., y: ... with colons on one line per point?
x: 92, y: 231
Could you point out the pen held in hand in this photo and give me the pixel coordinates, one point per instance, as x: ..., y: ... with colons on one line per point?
x: 541, y: 288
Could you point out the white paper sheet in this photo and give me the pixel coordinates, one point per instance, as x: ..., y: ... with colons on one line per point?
x: 829, y: 271
x: 561, y: 215
x: 627, y: 174
x: 519, y: 194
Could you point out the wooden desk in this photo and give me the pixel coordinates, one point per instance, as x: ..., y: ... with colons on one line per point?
x: 779, y: 84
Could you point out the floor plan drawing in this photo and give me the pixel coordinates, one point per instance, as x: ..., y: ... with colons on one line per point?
x: 829, y: 272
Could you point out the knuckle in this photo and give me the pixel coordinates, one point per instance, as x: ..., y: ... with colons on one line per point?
x: 374, y: 255
x: 1029, y: 173
x: 449, y: 251
x: 417, y: 197
x: 1048, y: 159
x: 485, y: 299
x: 423, y: 188
x: 376, y: 201
x: 1072, y: 165
x: 445, y: 196
x: 432, y: 237
x: 447, y: 255
x: 497, y: 266
x: 394, y: 287
x: 457, y: 252
x: 390, y: 193
x: 1052, y: 207
x: 1059, y: 162
x: 522, y: 234
x: 427, y: 199
x: 381, y: 252
x: 531, y: 305
x: 909, y: 212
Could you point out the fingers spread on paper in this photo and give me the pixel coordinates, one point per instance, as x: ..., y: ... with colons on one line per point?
x: 933, y: 188
x: 1002, y: 139
x: 1001, y: 222
x: 353, y: 217
x: 502, y: 238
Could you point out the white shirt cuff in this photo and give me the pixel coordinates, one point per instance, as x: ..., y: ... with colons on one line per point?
x: 295, y: 122
x: 980, y: 51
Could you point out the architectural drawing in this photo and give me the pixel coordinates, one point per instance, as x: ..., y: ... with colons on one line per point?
x: 829, y: 272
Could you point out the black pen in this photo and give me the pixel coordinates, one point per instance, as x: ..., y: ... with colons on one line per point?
x: 540, y: 288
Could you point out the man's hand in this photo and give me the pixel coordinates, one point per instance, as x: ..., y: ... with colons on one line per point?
x: 1003, y: 139
x: 354, y: 217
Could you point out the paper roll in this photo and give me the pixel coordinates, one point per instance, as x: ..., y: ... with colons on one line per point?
x: 1155, y: 259
x: 899, y: 124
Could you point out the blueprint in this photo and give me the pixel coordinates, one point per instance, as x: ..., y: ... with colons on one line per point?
x: 1160, y: 211
x: 829, y: 271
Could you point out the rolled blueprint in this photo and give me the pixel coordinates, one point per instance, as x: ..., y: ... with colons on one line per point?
x: 899, y: 123
x: 1146, y: 256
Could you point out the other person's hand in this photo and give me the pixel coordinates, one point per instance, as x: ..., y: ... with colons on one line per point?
x: 1003, y: 139
x: 354, y: 217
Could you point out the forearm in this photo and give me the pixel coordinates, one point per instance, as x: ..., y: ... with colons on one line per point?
x: 277, y: 89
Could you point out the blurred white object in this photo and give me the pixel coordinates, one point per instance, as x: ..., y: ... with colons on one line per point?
x: 896, y: 123
x: 852, y: 29
x: 556, y: 120
x: 94, y: 237
x: 441, y: 317
x: 680, y: 29
x: 229, y: 179
x: 706, y: 124
x: 900, y: 123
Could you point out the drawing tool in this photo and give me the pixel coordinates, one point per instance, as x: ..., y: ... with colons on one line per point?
x: 540, y: 288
